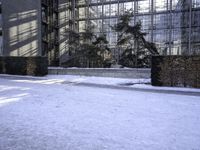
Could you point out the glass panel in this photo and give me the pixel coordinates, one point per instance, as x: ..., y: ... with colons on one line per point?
x: 144, y: 6
x: 166, y: 30
x: 82, y: 13
x: 195, y: 3
x: 160, y: 5
x: 82, y: 26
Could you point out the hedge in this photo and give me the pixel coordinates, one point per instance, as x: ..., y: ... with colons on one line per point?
x: 176, y: 71
x: 34, y: 66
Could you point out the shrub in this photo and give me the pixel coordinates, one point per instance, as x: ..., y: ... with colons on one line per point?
x: 35, y: 66
x: 182, y: 71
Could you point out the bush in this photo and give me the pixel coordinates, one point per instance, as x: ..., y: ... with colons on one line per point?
x: 35, y: 66
x: 181, y: 71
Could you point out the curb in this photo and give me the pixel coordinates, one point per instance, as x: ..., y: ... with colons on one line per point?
x: 176, y: 92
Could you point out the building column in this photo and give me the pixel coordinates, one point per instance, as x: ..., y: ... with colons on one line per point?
x: 170, y: 27
x: 190, y: 28
x: 151, y: 3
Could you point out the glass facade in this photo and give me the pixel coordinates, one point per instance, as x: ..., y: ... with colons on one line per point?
x: 1, y: 34
x: 174, y: 25
x: 50, y: 30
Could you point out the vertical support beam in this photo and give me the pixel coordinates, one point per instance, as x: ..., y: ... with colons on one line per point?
x: 190, y: 28
x: 40, y: 27
x: 109, y: 10
x: 116, y: 52
x: 118, y: 9
x: 73, y: 15
x: 151, y: 3
x: 102, y: 25
x: 86, y: 12
x: 170, y: 27
x: 77, y: 15
x: 135, y: 10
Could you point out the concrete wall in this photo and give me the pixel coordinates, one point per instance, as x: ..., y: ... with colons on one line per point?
x: 21, y: 27
x: 116, y: 73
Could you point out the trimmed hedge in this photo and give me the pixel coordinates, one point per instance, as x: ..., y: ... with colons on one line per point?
x: 34, y: 66
x: 176, y: 71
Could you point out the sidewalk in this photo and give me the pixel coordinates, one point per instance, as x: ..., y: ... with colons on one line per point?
x: 140, y: 85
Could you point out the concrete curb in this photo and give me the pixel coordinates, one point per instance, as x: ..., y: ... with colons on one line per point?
x: 176, y: 92
x: 134, y: 73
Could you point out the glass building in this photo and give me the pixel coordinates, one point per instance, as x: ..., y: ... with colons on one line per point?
x: 39, y: 27
x: 174, y: 25
x: 50, y: 30
x: 1, y: 34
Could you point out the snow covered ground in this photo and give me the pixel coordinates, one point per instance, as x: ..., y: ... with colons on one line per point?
x: 45, y: 114
x: 73, y: 79
x: 78, y: 79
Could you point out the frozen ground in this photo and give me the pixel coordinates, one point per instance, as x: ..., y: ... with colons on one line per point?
x: 45, y: 114
x: 121, y: 82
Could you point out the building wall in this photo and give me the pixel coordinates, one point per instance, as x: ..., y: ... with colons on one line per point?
x: 21, y: 27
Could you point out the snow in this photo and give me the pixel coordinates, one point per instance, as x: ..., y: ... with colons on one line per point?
x: 43, y: 113
x: 122, y: 82
x: 97, y: 80
x: 146, y: 86
x: 77, y: 68
x: 136, y: 83
x: 76, y: 79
